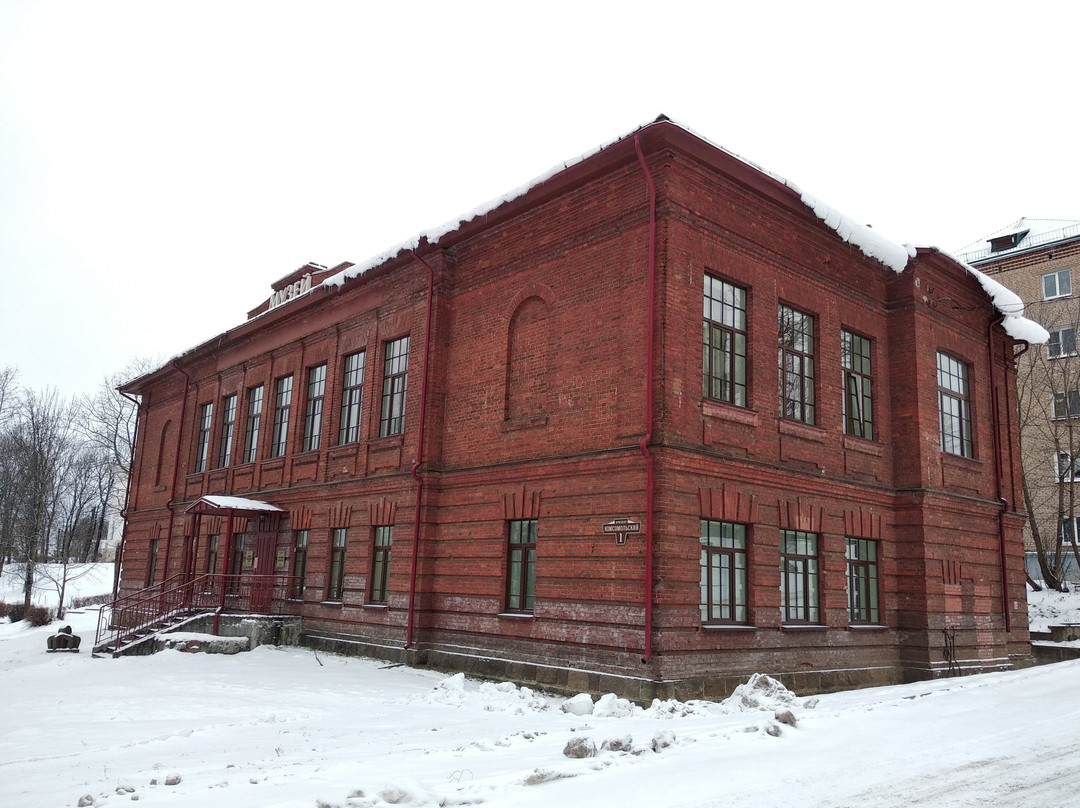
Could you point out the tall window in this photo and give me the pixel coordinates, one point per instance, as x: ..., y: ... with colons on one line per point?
x: 352, y: 394
x: 799, y: 577
x: 380, y: 564
x: 395, y: 370
x: 202, y: 446
x: 282, y: 403
x: 796, y: 358
x: 228, y: 426
x: 254, y: 420
x: 521, y: 562
x: 724, y: 342
x: 1056, y: 284
x: 151, y: 562
x: 1066, y: 405
x: 723, y: 572
x: 862, y: 570
x: 212, y: 545
x: 337, y: 564
x: 1062, y: 342
x: 1070, y: 529
x: 316, y: 392
x: 954, y: 406
x: 858, y: 405
x: 299, y: 563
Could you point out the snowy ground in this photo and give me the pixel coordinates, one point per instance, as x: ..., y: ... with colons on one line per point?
x: 287, y: 727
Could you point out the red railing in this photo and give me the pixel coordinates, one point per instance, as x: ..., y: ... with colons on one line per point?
x: 148, y: 608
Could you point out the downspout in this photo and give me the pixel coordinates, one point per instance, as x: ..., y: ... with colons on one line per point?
x: 127, y: 492
x: 176, y: 465
x: 995, y: 423
x: 646, y: 439
x: 419, y: 453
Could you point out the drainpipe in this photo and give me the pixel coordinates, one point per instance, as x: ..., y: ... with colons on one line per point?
x: 419, y: 453
x: 998, y: 471
x: 127, y: 492
x: 650, y: 461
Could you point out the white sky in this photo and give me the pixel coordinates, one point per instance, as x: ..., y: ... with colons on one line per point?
x: 161, y: 163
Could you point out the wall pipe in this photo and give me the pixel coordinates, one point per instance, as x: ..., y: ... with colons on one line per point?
x: 650, y: 461
x: 127, y: 492
x: 995, y: 420
x: 419, y: 452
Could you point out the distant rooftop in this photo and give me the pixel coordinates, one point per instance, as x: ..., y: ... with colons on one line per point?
x: 1022, y: 235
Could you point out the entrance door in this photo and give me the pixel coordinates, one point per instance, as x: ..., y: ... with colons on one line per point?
x: 262, y: 586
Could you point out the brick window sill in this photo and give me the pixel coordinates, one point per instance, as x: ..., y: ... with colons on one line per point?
x: 525, y: 422
x: 872, y: 628
x: 736, y: 627
x: 800, y: 430
x: 863, y: 446
x: 515, y: 615
x: 728, y: 412
x: 800, y: 627
x: 376, y: 606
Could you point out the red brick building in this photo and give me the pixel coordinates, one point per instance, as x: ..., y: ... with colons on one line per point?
x: 650, y: 424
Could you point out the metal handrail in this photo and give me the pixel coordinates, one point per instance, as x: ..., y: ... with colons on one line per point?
x: 138, y: 611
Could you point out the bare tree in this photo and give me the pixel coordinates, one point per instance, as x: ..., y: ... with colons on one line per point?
x: 1048, y: 387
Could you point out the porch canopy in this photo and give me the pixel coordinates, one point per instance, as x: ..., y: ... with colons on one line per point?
x: 227, y: 506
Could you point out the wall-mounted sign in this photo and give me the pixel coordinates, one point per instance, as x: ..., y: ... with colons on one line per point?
x: 292, y: 290
x: 620, y: 527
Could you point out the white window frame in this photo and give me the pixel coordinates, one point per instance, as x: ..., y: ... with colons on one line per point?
x: 1076, y: 529
x: 1061, y: 458
x: 1065, y: 405
x: 1056, y: 347
x: 1057, y: 276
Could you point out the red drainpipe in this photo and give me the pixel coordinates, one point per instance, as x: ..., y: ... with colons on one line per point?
x: 419, y: 452
x: 998, y: 472
x: 650, y: 462
x: 127, y: 492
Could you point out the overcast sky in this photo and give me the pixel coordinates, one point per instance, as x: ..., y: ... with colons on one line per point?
x: 162, y: 163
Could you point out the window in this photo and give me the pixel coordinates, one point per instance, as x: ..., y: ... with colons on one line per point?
x: 954, y: 406
x: 299, y: 563
x: 282, y: 403
x: 796, y: 357
x: 1066, y: 405
x: 228, y: 425
x: 316, y: 391
x: 1070, y: 529
x: 723, y: 572
x: 212, y: 554
x: 1065, y: 471
x: 352, y: 394
x: 380, y: 564
x: 392, y: 421
x: 151, y: 562
x: 202, y: 445
x: 724, y: 342
x: 798, y: 577
x: 521, y: 563
x: 1062, y: 342
x: 862, y: 575
x: 254, y: 419
x: 1056, y: 284
x: 858, y: 405
x: 337, y: 564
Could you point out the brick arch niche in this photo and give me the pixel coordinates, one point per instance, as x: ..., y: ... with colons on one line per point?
x: 529, y: 354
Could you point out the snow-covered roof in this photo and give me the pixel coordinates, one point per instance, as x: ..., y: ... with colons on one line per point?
x: 867, y: 240
x: 212, y: 503
x: 1019, y: 236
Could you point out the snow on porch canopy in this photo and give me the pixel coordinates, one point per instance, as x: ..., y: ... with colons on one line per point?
x: 221, y: 506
